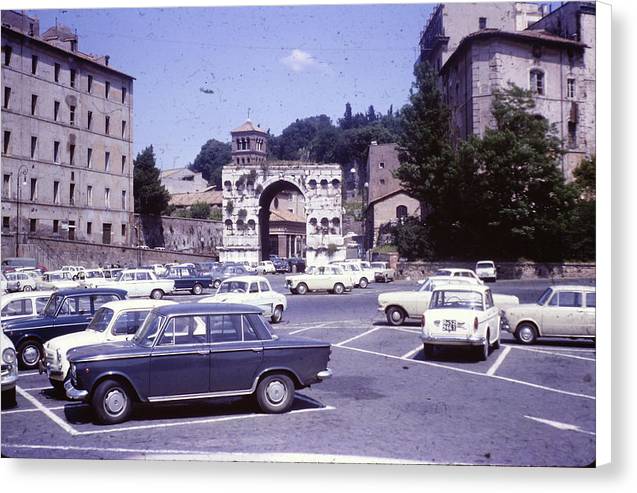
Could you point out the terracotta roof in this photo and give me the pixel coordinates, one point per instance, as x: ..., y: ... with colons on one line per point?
x: 285, y: 216
x: 248, y: 126
x: 212, y: 197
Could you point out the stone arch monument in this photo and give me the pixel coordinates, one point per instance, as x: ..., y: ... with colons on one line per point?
x: 250, y: 183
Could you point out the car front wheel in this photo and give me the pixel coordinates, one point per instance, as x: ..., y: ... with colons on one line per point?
x: 275, y: 393
x: 339, y: 288
x: 112, y: 402
x: 157, y: 294
x: 363, y: 283
x: 197, y: 289
x: 30, y: 352
x: 526, y: 333
x: 277, y: 315
x: 301, y: 288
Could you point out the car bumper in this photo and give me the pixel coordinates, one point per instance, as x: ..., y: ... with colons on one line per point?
x: 73, y: 393
x: 9, y: 380
x: 324, y: 374
x: 469, y: 340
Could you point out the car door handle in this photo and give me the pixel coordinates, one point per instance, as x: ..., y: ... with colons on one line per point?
x: 204, y: 352
x: 257, y: 349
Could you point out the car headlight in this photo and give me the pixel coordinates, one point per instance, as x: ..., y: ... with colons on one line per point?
x: 8, y: 356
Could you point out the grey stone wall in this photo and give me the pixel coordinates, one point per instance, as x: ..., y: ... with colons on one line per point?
x: 199, y: 236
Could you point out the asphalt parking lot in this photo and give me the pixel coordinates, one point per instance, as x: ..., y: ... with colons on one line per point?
x: 523, y: 406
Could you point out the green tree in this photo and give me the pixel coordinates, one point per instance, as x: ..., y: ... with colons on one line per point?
x: 150, y: 195
x: 211, y: 159
x: 412, y: 239
x: 580, y: 236
x: 584, y: 176
x: 200, y: 210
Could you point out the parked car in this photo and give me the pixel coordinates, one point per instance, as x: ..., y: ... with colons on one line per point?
x: 21, y: 305
x: 16, y: 262
x: 560, y: 311
x: 281, y: 265
x: 72, y: 268
x: 20, y: 281
x: 366, y: 268
x: 113, y: 321
x: 382, y: 272
x: 3, y: 283
x: 251, y: 290
x: 68, y: 310
x: 266, y: 267
x: 297, y: 264
x: 143, y: 283
x: 9, y: 370
x: 329, y: 278
x: 461, y: 316
x: 453, y: 272
x: 486, y: 270
x: 198, y: 351
x: 93, y: 278
x: 158, y: 269
x: 355, y: 273
x: 57, y: 279
x: 186, y: 278
x: 112, y: 272
x: 225, y: 272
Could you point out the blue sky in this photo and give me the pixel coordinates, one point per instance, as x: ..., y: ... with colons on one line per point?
x: 281, y: 62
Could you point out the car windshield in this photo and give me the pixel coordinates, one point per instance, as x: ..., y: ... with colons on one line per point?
x: 100, y: 321
x: 233, y: 287
x: 52, y: 306
x: 465, y: 300
x: 311, y: 270
x: 484, y: 265
x: 91, y: 274
x: 147, y: 333
x: 425, y: 286
x: 544, y: 296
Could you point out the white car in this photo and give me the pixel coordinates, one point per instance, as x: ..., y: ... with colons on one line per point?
x: 452, y: 272
x: 158, y: 269
x: 143, y: 283
x: 461, y: 316
x: 58, y: 280
x: 93, y: 278
x: 485, y: 270
x: 22, y: 281
x: 3, y: 283
x: 266, y: 267
x: 251, y: 290
x: 355, y: 274
x: 18, y: 305
x: 9, y: 370
x: 330, y: 278
x: 72, y: 268
x: 113, y: 321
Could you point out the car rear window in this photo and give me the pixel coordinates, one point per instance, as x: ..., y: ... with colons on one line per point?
x: 18, y: 308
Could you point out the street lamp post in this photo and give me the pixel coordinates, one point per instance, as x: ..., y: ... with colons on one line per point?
x: 22, y: 172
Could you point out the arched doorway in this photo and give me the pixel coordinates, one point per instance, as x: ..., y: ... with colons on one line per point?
x: 282, y: 227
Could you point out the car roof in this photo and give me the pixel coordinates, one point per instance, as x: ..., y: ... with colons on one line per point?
x: 462, y: 287
x: 454, y: 269
x: 451, y: 279
x: 485, y: 261
x: 130, y: 271
x: 136, y: 304
x: 207, y: 308
x: 569, y: 287
x: 74, y: 291
x: 26, y: 294
x: 246, y: 278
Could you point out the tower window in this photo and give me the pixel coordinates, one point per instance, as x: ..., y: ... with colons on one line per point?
x: 89, y: 119
x: 56, y: 72
x: 7, y: 55
x: 107, y: 89
x: 89, y: 83
x: 34, y: 103
x: 34, y: 146
x: 56, y: 151
x: 537, y: 82
x: 34, y: 64
x: 72, y: 77
x: 56, y: 192
x: 482, y: 23
x: 56, y: 110
x: 7, y: 97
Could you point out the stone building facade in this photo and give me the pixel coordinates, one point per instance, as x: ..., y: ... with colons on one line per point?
x: 386, y: 202
x: 67, y: 120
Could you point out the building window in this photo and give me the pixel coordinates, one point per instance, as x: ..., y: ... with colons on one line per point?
x: 401, y: 211
x: 34, y: 189
x: 107, y: 198
x: 56, y: 72
x: 33, y: 224
x: 71, y: 154
x: 5, y: 141
x: 107, y: 124
x: 570, y: 88
x: 572, y: 134
x: 89, y: 82
x: 106, y: 233
x: 72, y: 194
x: 34, y: 64
x: 6, y: 185
x: 124, y: 230
x: 56, y: 192
x: 381, y: 165
x: 89, y: 158
x: 56, y: 110
x: 89, y: 119
x: 34, y: 146
x: 107, y: 89
x: 72, y: 115
x: 123, y: 164
x: 107, y: 161
x: 71, y: 230
x: 123, y: 95
x: 7, y: 55
x: 7, y: 97
x: 56, y: 225
x: 124, y: 199
x: 72, y: 77
x: 482, y: 23
x: 89, y: 228
x: 89, y: 196
x: 382, y: 181
x: 56, y: 151
x: 537, y: 82
x: 123, y: 129
x: 34, y: 103
x: 5, y: 222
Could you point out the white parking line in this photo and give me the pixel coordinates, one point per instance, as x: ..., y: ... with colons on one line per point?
x: 498, y: 362
x: 56, y: 408
x: 470, y: 372
x: 553, y: 348
x: 33, y: 389
x: 553, y: 353
x: 57, y: 420
x: 358, y: 336
x: 409, y: 354
x: 560, y: 426
x: 26, y: 373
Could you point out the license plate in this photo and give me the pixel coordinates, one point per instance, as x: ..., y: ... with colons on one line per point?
x: 449, y: 325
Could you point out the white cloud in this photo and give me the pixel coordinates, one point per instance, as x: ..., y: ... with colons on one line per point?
x: 299, y: 60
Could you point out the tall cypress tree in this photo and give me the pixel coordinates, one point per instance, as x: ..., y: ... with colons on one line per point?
x: 150, y: 195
